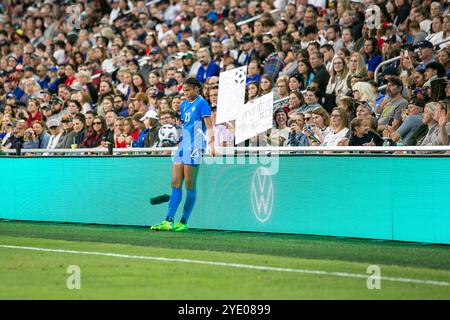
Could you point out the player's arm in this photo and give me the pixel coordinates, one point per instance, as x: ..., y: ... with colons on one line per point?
x: 210, y: 134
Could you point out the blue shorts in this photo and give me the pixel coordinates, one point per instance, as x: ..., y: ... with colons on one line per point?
x: 188, y: 155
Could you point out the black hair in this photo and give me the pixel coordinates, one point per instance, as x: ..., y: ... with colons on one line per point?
x: 192, y: 82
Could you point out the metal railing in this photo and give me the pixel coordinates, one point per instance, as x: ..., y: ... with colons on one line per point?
x: 257, y: 17
x: 231, y: 151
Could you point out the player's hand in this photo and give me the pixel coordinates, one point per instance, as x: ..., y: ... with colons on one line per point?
x: 212, y: 150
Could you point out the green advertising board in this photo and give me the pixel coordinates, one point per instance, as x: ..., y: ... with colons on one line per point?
x: 376, y: 197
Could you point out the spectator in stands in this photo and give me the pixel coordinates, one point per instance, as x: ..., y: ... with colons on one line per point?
x: 79, y: 127
x: 105, y: 106
x: 266, y: 84
x: 73, y: 107
x: 339, y: 127
x: 39, y: 135
x: 361, y: 135
x: 6, y: 131
x: 363, y: 110
x: 33, y: 112
x: 297, y: 138
x: 442, y: 116
x: 406, y: 134
x: 272, y: 61
x: 106, y: 89
x: 306, y: 71
x: 312, y: 100
x: 321, y: 75
x: 282, y: 88
x: 295, y: 82
x: 17, y: 138
x: 296, y: 102
x: 119, y: 135
x: 425, y: 54
x: 253, y: 74
x: 120, y: 105
x: 356, y: 66
x: 337, y: 85
x: 138, y: 84
x: 68, y: 135
x: 252, y: 92
x: 280, y: 133
x: 372, y: 55
x: 55, y: 134
x: 207, y: 67
x: 328, y: 54
x: 130, y: 132
x: 151, y: 122
x: 110, y: 119
x: 363, y: 91
x: 94, y: 138
x: 91, y: 63
x: 432, y: 137
x: 390, y: 111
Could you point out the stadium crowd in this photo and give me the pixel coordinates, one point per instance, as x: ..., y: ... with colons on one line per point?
x: 88, y: 74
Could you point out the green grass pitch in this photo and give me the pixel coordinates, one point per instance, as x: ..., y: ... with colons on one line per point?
x: 135, y: 263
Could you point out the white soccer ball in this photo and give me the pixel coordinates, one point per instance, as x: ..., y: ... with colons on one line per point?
x: 168, y: 134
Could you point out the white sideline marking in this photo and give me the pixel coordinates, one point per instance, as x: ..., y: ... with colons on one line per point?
x: 233, y: 265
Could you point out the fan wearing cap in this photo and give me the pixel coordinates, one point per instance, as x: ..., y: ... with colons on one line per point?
x: 425, y: 53
x: 196, y: 118
x: 433, y: 70
x: 55, y: 134
x: 151, y: 122
x: 68, y: 135
x: 156, y: 59
x: 54, y: 80
x: 171, y: 87
x: 248, y: 51
x: 405, y: 134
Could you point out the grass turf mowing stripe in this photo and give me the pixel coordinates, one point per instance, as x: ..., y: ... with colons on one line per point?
x: 296, y: 246
x: 233, y: 265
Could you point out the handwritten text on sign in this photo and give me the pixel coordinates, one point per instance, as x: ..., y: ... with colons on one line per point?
x: 254, y: 118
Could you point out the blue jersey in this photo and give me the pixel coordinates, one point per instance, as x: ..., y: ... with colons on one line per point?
x: 193, y: 137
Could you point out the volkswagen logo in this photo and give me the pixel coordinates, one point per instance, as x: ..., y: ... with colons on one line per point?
x: 262, y: 194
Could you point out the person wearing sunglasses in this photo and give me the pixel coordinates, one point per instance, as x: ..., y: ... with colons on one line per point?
x: 94, y: 138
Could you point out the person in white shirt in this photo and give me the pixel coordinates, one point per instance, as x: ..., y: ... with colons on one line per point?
x: 339, y: 124
x: 222, y: 136
x: 55, y: 132
x: 114, y: 12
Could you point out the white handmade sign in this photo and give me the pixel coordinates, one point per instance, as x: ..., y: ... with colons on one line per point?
x: 254, y: 117
x: 231, y: 95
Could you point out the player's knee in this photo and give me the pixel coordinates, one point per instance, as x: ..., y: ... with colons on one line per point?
x: 190, y: 185
x: 176, y: 184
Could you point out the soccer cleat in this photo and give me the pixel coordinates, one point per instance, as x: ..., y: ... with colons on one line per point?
x: 163, y: 226
x: 180, y: 227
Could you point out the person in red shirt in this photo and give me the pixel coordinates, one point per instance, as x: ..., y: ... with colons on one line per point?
x: 70, y: 74
x: 130, y: 133
x: 33, y: 112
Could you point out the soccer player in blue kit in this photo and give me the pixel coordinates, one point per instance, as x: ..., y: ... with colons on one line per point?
x: 196, y: 118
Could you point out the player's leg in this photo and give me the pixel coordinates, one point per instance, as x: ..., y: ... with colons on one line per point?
x: 177, y: 193
x: 175, y: 198
x: 190, y: 175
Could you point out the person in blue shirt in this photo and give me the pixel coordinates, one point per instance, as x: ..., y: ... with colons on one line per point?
x: 196, y: 119
x: 372, y: 56
x: 208, y: 68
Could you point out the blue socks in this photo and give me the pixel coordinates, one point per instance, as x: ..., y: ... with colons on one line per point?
x: 191, y: 195
x: 174, y: 202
